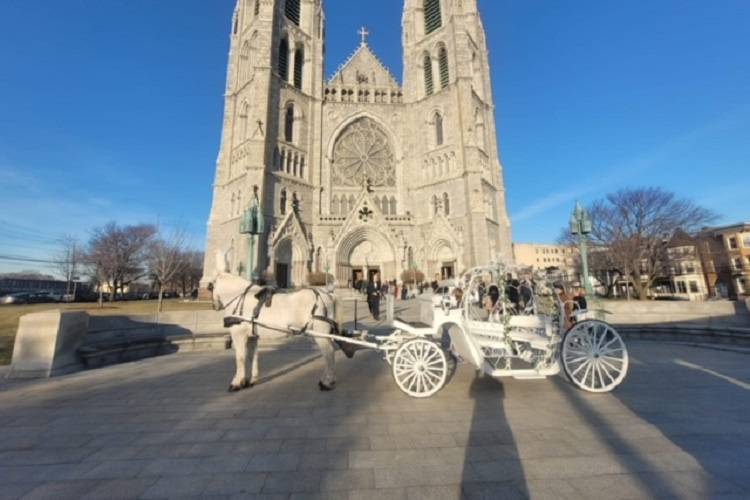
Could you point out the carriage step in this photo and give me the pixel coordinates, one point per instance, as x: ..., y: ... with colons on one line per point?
x: 529, y: 377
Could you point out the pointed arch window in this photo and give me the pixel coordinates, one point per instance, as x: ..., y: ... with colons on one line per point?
x: 292, y: 11
x: 443, y: 64
x: 429, y: 84
x: 282, y: 202
x: 439, y: 138
x: 433, y: 18
x: 299, y: 61
x: 446, y: 204
x: 435, y: 204
x: 289, y: 124
x: 244, y: 62
x: 393, y: 206
x: 283, y: 64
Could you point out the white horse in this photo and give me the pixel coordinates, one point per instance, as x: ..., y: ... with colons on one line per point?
x: 289, y: 313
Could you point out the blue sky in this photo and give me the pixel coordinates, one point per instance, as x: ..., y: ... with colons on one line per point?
x: 112, y: 109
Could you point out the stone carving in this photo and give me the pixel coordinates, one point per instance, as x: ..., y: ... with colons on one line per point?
x: 363, y: 152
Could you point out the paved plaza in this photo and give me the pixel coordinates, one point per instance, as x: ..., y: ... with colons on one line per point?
x: 166, y: 427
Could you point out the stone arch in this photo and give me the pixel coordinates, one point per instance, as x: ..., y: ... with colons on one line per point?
x: 394, y: 143
x: 289, y: 263
x: 442, y: 256
x: 381, y: 254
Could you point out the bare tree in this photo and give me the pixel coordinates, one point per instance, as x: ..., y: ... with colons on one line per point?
x: 69, y: 258
x: 166, y: 260
x: 631, y: 228
x: 116, y: 255
x: 188, y: 279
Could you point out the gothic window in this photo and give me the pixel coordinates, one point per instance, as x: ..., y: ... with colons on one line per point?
x: 242, y: 123
x: 363, y: 153
x: 433, y: 18
x: 282, y: 202
x: 393, y: 206
x: 292, y: 11
x: 289, y: 124
x: 276, y: 159
x: 236, y: 24
x: 435, y: 204
x: 429, y: 85
x: 335, y: 205
x: 438, y: 129
x: 443, y: 64
x: 283, y: 68
x: 244, y: 62
x: 446, y: 204
x: 481, y: 138
x: 256, y: 10
x: 384, y: 206
x: 299, y: 61
x: 302, y: 167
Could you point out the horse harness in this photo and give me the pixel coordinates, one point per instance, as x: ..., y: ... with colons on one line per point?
x: 264, y: 299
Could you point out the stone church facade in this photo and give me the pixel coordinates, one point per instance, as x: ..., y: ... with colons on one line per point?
x: 359, y: 173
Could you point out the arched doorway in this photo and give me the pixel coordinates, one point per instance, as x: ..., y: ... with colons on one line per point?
x: 362, y: 253
x: 443, y: 261
x: 283, y: 260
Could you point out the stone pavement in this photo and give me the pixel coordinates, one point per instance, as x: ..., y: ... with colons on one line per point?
x: 166, y: 427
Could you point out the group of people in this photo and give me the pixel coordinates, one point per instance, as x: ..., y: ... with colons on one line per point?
x: 376, y: 290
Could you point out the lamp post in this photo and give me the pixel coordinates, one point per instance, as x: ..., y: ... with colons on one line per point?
x: 580, y: 227
x: 252, y: 224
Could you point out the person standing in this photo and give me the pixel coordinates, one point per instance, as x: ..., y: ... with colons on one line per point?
x: 373, y: 296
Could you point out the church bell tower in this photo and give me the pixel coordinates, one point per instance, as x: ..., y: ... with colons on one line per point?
x: 447, y: 79
x: 272, y: 102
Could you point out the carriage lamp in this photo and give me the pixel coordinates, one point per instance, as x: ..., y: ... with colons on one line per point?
x: 580, y: 227
x: 252, y: 224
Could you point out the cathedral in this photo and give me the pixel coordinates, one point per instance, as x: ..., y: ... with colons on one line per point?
x: 358, y: 173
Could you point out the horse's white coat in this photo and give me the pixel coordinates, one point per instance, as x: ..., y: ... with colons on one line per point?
x: 289, y: 311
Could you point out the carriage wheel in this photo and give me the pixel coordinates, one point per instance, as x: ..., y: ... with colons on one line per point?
x: 594, y: 356
x: 420, y: 368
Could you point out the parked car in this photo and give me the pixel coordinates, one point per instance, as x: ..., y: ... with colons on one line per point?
x: 27, y: 298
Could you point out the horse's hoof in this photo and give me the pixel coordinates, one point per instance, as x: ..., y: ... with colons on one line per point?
x: 325, y: 388
x: 233, y: 388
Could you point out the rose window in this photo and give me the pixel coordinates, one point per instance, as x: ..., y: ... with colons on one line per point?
x: 363, y: 152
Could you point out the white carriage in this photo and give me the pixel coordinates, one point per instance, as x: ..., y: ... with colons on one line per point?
x: 503, y: 331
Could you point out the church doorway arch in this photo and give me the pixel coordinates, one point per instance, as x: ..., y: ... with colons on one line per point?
x: 289, y: 264
x: 362, y: 253
x: 443, y: 261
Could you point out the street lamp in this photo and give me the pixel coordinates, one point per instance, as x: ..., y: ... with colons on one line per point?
x: 580, y: 227
x: 252, y: 224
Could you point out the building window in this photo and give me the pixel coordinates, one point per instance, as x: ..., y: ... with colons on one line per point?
x: 443, y: 65
x: 292, y: 11
x: 746, y: 240
x: 737, y: 264
x: 289, y: 124
x: 282, y: 202
x: 733, y: 243
x: 681, y: 288
x: 429, y: 84
x: 446, y: 204
x: 284, y: 59
x: 433, y: 18
x: 438, y: 129
x: 256, y: 10
x: 693, y: 287
x: 299, y: 61
x: 236, y: 24
x: 690, y: 268
x: 435, y: 205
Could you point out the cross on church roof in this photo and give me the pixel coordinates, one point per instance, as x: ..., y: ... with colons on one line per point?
x: 364, y: 34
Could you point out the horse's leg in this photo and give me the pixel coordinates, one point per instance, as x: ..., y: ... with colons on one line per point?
x: 327, y: 349
x: 239, y: 335
x: 254, y: 369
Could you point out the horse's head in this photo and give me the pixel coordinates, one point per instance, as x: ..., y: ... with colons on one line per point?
x: 224, y: 286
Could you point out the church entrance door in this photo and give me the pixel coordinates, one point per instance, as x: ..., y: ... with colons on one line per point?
x: 282, y: 275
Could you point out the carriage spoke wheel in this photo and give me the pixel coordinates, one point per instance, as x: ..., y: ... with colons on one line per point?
x: 594, y: 356
x: 420, y: 368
